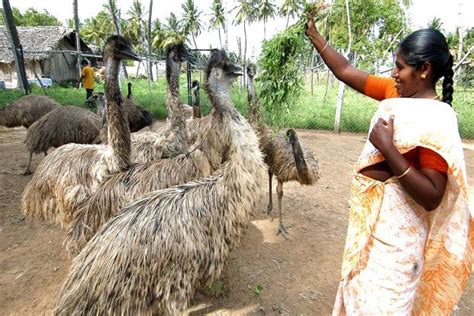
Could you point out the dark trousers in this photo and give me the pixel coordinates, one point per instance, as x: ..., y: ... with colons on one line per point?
x: 89, y: 93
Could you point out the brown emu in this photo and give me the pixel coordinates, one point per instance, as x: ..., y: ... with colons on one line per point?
x: 63, y: 125
x: 285, y: 157
x: 26, y: 110
x: 152, y: 256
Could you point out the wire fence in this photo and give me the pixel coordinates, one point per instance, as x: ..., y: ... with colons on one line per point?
x: 314, y: 109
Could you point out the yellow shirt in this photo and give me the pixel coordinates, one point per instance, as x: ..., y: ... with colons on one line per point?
x: 88, y: 77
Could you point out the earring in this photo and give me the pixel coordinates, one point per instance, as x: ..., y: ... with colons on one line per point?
x: 423, y: 76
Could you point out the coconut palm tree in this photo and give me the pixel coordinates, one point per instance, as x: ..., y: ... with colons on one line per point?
x: 245, y: 13
x: 135, y: 25
x: 291, y: 8
x: 172, y: 32
x: 115, y: 14
x: 191, y: 21
x: 217, y: 17
x: 265, y: 10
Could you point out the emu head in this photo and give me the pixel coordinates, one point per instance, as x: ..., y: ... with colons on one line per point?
x: 251, y: 71
x: 175, y: 55
x: 98, y: 99
x: 119, y: 47
x: 221, y: 72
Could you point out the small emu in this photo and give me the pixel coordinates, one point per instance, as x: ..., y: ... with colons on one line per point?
x: 196, y: 104
x: 285, y: 157
x: 63, y: 125
x: 150, y: 258
x: 26, y: 110
x: 66, y: 177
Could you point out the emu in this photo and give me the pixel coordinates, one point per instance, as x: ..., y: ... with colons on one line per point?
x: 288, y: 160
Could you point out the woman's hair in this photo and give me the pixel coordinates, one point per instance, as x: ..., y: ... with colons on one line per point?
x: 429, y: 45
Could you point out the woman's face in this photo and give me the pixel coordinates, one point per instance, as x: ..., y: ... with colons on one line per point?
x: 407, y: 79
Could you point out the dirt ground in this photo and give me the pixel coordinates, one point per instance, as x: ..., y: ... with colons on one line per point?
x: 266, y: 275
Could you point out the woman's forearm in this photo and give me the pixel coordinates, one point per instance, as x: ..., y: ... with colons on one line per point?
x: 337, y: 63
x: 426, y: 187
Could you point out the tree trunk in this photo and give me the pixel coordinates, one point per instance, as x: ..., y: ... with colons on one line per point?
x: 15, y: 45
x: 287, y: 19
x: 118, y: 30
x: 244, y: 60
x: 226, y: 37
x: 194, y: 40
x: 220, y: 39
x: 340, y: 94
x: 327, y: 86
x: 150, y: 72
x: 78, y: 38
x: 312, y: 71
x: 239, y: 45
x: 264, y: 29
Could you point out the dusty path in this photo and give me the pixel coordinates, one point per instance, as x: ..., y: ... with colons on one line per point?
x: 296, y: 277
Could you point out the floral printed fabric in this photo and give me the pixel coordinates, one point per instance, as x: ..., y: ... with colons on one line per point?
x: 399, y: 259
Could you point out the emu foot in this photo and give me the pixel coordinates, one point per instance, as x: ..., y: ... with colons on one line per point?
x: 269, y: 208
x: 282, y: 230
x: 27, y: 172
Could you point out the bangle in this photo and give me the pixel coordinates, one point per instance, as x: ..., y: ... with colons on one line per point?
x: 322, y: 50
x: 404, y: 173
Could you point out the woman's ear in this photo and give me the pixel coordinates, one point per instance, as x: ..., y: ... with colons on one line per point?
x: 425, y: 70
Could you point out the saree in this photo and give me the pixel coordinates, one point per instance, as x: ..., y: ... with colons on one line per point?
x: 398, y: 258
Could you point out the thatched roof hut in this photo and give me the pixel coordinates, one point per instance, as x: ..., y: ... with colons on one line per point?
x: 41, y: 45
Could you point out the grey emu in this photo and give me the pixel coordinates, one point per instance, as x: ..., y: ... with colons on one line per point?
x: 285, y: 157
x: 68, y: 175
x: 152, y: 256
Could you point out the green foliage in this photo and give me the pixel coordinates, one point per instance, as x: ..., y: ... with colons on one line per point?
x: 31, y: 17
x: 97, y: 29
x: 279, y: 80
x: 376, y: 27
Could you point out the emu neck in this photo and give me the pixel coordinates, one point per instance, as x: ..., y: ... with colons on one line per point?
x: 196, y: 105
x: 175, y: 113
x: 220, y: 98
x: 118, y: 130
x: 255, y: 114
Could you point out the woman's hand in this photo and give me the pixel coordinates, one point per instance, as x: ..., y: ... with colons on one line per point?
x: 381, y: 135
x: 310, y: 25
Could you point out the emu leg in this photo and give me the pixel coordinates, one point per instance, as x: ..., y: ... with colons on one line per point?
x: 270, y: 203
x: 281, y: 229
x: 28, y: 169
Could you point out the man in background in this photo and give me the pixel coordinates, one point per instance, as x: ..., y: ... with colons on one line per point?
x: 87, y: 78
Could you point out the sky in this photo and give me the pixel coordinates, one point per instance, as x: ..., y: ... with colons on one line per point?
x: 457, y: 13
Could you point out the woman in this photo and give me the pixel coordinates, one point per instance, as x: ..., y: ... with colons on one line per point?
x: 409, y: 241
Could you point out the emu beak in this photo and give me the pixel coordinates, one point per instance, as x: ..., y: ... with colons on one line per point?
x: 128, y: 53
x: 234, y: 70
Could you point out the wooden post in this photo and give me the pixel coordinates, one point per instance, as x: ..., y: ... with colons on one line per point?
x: 340, y: 94
x: 15, y: 46
x: 78, y: 38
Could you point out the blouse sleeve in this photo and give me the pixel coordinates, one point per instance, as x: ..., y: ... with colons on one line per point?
x: 380, y: 88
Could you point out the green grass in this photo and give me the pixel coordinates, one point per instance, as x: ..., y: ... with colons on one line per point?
x: 308, y: 111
